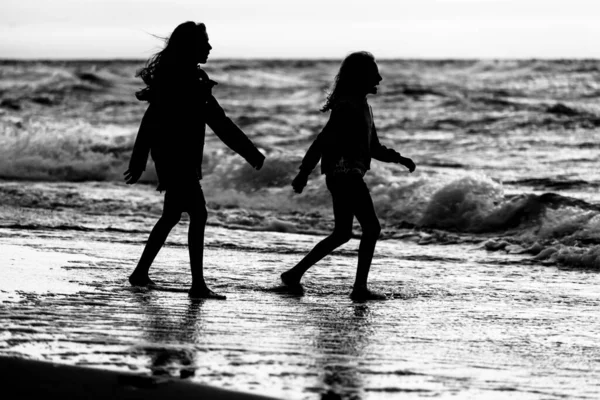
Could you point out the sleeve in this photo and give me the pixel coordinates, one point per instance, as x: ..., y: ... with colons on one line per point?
x: 335, y: 138
x: 230, y: 133
x: 313, y: 154
x: 380, y: 152
x: 141, y: 148
x: 325, y: 141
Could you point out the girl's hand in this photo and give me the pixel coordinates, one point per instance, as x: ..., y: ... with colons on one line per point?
x: 299, y: 182
x: 408, y: 163
x: 259, y: 164
x: 132, y: 176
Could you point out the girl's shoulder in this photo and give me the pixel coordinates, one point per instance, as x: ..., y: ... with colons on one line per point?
x: 348, y: 104
x: 204, y: 80
x: 183, y: 87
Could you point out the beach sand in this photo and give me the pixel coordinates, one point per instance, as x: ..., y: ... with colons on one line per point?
x: 460, y: 322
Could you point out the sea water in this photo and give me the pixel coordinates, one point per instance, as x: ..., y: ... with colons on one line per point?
x: 502, y: 147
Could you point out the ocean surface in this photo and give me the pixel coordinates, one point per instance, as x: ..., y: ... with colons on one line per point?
x: 506, y: 186
x: 507, y: 149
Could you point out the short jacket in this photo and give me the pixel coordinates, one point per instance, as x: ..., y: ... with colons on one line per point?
x: 173, y: 130
x: 348, y: 141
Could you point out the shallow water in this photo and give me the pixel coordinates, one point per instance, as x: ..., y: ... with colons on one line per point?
x: 460, y: 322
x: 507, y: 162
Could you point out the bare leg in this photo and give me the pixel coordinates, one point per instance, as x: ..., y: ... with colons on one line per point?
x: 157, y: 238
x: 361, y: 292
x: 366, y: 216
x: 198, y: 217
x: 341, y: 234
x: 370, y: 233
x: 323, y: 248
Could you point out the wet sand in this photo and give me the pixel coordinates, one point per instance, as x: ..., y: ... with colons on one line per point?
x: 460, y: 322
x: 27, y: 379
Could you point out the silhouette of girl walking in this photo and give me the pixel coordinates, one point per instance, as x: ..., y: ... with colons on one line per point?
x: 345, y: 147
x: 173, y: 130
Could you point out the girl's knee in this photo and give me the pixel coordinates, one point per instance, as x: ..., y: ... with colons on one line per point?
x: 199, y: 215
x: 372, y: 230
x: 170, y: 219
x: 341, y: 237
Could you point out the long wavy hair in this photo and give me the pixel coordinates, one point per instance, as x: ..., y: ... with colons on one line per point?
x: 353, y: 70
x: 175, y: 59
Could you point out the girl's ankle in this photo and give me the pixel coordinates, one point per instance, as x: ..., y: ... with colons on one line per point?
x: 360, y: 287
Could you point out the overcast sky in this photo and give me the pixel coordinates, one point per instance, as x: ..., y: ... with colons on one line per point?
x: 305, y: 29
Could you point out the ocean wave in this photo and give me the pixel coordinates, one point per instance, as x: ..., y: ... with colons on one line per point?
x: 67, y: 227
x: 74, y: 150
x: 525, y: 125
x: 471, y: 204
x: 554, y: 229
x: 553, y: 183
x: 570, y: 256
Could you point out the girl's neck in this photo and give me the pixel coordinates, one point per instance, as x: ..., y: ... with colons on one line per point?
x: 360, y: 98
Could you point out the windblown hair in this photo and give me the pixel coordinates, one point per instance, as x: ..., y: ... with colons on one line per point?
x: 173, y: 59
x: 353, y: 70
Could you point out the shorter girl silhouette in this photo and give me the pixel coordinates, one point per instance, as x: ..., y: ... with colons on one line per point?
x: 172, y: 130
x: 345, y: 147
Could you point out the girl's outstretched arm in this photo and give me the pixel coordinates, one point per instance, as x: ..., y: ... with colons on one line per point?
x: 382, y: 153
x: 231, y: 134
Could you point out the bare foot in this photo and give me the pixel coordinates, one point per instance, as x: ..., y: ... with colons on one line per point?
x: 363, y: 294
x: 291, y: 284
x: 290, y: 280
x: 204, y: 293
x: 141, y: 280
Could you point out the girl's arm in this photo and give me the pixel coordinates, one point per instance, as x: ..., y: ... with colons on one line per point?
x: 337, y: 137
x: 382, y: 153
x: 313, y: 154
x: 141, y: 148
x: 231, y: 134
x: 310, y: 160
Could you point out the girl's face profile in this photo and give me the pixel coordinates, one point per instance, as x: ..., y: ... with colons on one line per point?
x: 203, y: 47
x: 372, y: 79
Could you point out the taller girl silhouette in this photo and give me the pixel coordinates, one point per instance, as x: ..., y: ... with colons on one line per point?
x: 172, y: 130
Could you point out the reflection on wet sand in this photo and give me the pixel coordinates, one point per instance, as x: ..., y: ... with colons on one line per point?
x: 342, y: 336
x: 461, y: 324
x: 170, y: 336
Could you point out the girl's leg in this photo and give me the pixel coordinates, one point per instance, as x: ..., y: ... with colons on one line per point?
x: 198, y: 217
x: 170, y: 217
x: 342, y: 212
x: 366, y: 216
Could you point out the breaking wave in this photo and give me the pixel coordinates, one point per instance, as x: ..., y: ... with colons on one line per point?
x: 493, y: 141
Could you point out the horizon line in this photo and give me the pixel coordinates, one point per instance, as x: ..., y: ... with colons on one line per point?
x: 402, y: 58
